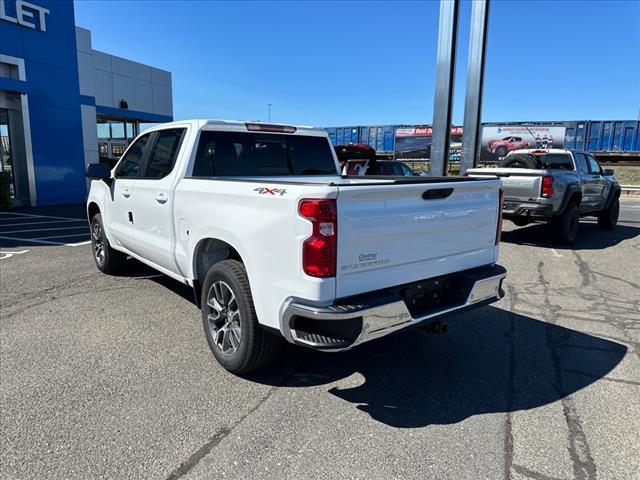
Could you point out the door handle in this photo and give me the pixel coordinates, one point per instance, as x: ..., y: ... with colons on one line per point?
x: 126, y: 193
x: 161, y: 198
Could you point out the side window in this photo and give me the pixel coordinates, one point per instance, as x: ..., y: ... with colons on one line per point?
x: 594, y: 166
x: 129, y: 165
x: 164, y: 153
x: 582, y: 162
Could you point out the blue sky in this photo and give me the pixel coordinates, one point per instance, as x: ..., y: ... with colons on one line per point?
x: 359, y: 63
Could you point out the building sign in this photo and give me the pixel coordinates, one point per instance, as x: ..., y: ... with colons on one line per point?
x: 24, y: 13
x: 499, y: 140
x: 414, y: 143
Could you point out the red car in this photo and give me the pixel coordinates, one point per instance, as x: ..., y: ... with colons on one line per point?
x: 507, y: 144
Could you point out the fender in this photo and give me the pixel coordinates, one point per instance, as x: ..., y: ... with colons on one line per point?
x: 613, y: 194
x: 568, y: 193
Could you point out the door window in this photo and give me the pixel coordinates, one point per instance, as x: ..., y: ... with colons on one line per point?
x: 594, y: 167
x: 164, y: 153
x: 582, y: 162
x: 129, y: 166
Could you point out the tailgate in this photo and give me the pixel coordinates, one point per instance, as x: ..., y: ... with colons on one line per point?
x: 518, y: 184
x: 394, y: 234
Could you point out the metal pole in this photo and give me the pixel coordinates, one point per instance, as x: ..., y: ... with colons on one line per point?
x: 475, y: 79
x: 269, y: 111
x: 443, y: 101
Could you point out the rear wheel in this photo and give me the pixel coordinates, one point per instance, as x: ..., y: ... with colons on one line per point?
x: 230, y: 322
x: 501, y: 151
x: 608, y: 219
x: 565, y: 227
x: 107, y: 259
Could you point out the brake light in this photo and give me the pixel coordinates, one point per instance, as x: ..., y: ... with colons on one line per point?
x: 500, y: 206
x: 267, y: 127
x: 546, y: 189
x: 319, y: 250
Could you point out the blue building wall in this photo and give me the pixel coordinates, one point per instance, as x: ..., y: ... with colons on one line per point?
x: 52, y: 87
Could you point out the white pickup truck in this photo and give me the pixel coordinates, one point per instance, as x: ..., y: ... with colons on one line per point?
x: 256, y: 218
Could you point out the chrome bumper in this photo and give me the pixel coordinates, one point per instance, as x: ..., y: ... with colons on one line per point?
x: 382, y: 319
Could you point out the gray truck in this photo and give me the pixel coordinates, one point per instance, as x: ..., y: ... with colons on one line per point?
x: 556, y: 186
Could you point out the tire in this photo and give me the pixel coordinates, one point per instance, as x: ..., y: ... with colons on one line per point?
x: 519, y: 161
x: 521, y: 222
x: 608, y: 219
x: 501, y: 152
x: 107, y: 259
x: 230, y: 321
x: 566, y: 226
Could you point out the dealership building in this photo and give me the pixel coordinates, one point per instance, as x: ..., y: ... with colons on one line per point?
x: 64, y: 105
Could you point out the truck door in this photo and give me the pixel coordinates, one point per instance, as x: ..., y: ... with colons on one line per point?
x: 598, y: 183
x: 152, y: 207
x: 119, y: 207
x: 588, y: 182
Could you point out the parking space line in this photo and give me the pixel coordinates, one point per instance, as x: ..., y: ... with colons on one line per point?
x: 33, y: 240
x: 47, y: 229
x: 41, y: 223
x: 41, y: 216
x: 85, y: 234
x: 4, y: 255
x: 87, y: 242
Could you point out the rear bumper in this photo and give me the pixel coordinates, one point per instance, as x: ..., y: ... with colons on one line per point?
x: 363, y: 318
x: 520, y: 209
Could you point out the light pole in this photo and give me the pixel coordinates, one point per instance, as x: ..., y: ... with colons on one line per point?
x: 269, y: 105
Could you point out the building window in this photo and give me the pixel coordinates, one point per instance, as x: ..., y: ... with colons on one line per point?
x: 117, y: 130
x: 103, y: 130
x: 8, y: 70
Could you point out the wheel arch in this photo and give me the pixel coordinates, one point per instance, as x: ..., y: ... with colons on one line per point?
x: 207, y: 252
x: 573, y: 193
x: 92, y: 210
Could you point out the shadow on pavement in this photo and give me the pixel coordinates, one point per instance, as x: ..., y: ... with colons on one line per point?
x: 590, y: 237
x: 491, y: 361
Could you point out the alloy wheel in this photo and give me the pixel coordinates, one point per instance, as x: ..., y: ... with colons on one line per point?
x: 224, y: 317
x: 97, y: 242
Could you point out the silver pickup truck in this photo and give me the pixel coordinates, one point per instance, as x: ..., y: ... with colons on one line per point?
x: 556, y: 186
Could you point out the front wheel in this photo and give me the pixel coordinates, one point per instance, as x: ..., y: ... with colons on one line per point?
x: 565, y: 227
x: 107, y: 259
x: 230, y: 321
x: 608, y: 219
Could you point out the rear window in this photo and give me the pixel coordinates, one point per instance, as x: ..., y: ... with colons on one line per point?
x: 560, y: 161
x: 240, y: 154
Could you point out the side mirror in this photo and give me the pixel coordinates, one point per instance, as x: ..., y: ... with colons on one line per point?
x: 98, y: 171
x: 608, y: 172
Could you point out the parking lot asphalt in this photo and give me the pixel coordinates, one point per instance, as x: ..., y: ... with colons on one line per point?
x: 111, y: 377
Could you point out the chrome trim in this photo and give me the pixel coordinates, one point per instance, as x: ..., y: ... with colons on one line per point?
x: 383, y: 319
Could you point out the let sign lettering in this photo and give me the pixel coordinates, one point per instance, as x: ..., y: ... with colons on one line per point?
x: 25, y: 14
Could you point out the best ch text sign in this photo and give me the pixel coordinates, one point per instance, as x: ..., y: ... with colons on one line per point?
x: 25, y: 15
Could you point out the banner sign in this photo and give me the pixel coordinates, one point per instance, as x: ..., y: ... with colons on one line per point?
x: 499, y: 140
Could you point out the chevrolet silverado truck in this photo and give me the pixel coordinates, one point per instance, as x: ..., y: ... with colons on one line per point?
x: 276, y: 243
x: 556, y: 186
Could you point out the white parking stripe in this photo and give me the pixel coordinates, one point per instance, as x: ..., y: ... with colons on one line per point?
x: 47, y: 229
x: 4, y: 255
x: 85, y: 234
x: 78, y: 244
x: 41, y: 216
x: 41, y: 223
x: 33, y: 240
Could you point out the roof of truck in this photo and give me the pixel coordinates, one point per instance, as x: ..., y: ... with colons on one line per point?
x: 241, y: 125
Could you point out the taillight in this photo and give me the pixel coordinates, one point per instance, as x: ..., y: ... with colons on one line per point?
x: 546, y: 189
x: 319, y: 250
x: 499, y: 226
